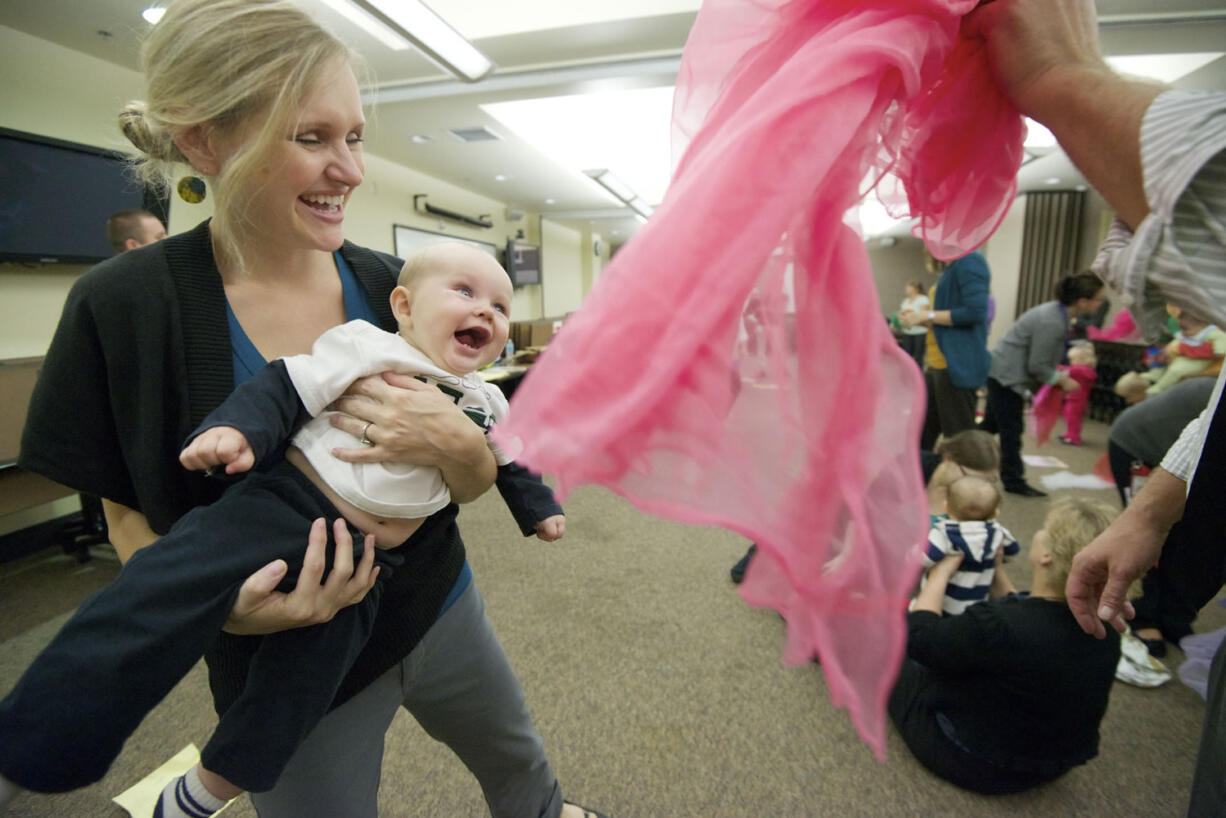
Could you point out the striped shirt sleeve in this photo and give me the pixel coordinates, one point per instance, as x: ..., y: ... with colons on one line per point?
x: 1178, y: 253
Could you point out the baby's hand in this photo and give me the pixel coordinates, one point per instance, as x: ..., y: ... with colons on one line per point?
x: 218, y: 445
x: 551, y: 528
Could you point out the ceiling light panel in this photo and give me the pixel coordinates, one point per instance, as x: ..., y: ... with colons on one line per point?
x: 625, y: 131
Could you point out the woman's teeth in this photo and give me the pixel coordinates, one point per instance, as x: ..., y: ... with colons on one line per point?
x: 329, y: 203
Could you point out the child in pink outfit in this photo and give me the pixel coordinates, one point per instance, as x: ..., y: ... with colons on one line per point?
x: 1081, y: 368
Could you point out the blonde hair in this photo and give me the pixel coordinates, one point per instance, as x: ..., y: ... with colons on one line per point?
x: 218, y: 65
x: 972, y: 498
x: 1071, y: 524
x: 1084, y: 349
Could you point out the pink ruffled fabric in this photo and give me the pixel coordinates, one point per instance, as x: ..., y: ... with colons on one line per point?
x: 1048, y: 403
x: 732, y: 367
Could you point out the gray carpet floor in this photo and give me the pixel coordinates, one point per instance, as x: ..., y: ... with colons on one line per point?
x: 657, y: 690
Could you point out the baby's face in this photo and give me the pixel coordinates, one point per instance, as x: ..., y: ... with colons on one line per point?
x: 459, y: 315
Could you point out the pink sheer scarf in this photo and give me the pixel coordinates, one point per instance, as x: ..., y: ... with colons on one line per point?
x: 732, y: 367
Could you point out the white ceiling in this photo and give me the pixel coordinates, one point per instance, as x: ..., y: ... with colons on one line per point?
x: 562, y: 47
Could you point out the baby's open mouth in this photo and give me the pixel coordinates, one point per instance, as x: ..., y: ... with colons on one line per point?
x: 473, y: 337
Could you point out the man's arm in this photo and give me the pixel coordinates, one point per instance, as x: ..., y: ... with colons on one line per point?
x: 1046, y: 59
x: 1097, y: 586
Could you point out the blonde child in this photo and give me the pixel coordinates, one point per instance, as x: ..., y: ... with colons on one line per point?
x: 1010, y: 694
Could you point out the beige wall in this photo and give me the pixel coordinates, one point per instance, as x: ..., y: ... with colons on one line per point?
x: 894, y: 263
x: 76, y: 97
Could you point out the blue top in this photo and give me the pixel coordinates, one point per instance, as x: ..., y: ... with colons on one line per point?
x: 247, y: 359
x: 963, y: 290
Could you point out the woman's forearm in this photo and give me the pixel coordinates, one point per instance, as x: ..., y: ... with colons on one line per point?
x: 127, y: 529
x: 469, y: 474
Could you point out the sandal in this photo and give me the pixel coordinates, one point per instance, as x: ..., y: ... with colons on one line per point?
x: 587, y: 813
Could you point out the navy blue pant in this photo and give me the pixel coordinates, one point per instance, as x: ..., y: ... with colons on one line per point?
x: 1003, y: 415
x: 129, y: 643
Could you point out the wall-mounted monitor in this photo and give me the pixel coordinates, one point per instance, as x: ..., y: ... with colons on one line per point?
x: 523, y: 263
x: 55, y: 197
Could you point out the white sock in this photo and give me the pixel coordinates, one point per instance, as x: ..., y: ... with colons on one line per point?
x: 186, y: 797
x: 8, y: 791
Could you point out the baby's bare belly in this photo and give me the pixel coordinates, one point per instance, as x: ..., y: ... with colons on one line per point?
x: 389, y: 531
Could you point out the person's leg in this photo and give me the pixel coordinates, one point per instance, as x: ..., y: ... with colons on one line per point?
x: 461, y: 689
x: 932, y: 418
x: 916, y: 719
x: 955, y: 406
x: 1007, y: 412
x: 336, y: 769
x: 1209, y: 782
x: 1074, y: 409
x: 1121, y: 462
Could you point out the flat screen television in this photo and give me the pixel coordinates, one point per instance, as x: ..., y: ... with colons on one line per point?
x: 55, y: 197
x: 523, y: 263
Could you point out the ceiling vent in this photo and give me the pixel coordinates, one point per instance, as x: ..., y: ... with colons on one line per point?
x: 474, y: 134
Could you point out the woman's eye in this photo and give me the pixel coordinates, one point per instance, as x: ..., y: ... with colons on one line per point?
x: 354, y: 139
x: 306, y: 139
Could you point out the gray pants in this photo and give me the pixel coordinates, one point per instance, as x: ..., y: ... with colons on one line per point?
x: 459, y: 686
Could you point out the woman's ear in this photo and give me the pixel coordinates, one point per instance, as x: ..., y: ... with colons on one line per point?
x: 199, y: 146
x: 401, y: 302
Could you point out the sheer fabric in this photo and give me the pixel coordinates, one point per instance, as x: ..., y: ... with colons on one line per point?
x: 731, y: 366
x: 1047, y: 404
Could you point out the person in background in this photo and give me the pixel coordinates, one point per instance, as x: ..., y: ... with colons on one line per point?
x: 1081, y: 367
x: 957, y: 354
x: 1026, y: 358
x: 1158, y: 157
x: 277, y: 135
x: 1009, y: 694
x: 913, y: 337
x: 129, y: 229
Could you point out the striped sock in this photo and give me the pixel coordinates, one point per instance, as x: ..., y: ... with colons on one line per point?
x: 186, y: 797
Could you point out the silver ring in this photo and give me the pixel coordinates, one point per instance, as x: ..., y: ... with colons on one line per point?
x: 366, y: 441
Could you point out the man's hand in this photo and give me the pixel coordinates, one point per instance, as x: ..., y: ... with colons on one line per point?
x: 260, y: 608
x: 1097, y: 587
x: 218, y: 445
x: 552, y: 528
x: 1032, y: 43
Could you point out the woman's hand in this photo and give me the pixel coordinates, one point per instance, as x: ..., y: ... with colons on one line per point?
x: 262, y: 609
x: 407, y: 421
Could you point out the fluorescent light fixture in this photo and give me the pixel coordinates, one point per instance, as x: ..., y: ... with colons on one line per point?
x: 640, y: 207
x: 1162, y: 67
x: 153, y: 14
x: 1052, y: 180
x: 369, y: 24
x: 623, y: 192
x: 430, y: 34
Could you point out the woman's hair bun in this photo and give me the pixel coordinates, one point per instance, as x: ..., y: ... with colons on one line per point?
x: 136, y: 128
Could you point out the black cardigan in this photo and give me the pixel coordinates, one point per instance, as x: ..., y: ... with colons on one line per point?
x: 140, y: 356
